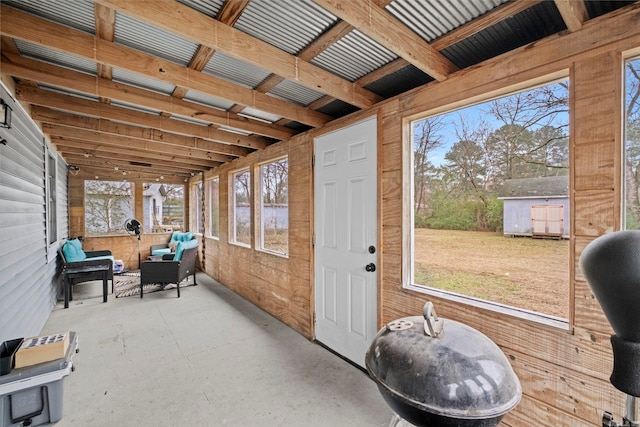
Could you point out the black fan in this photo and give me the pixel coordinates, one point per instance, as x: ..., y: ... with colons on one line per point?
x: 132, y: 226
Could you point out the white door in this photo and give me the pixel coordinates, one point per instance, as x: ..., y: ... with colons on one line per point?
x: 346, y: 249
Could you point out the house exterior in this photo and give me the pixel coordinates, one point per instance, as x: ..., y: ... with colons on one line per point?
x: 536, y: 207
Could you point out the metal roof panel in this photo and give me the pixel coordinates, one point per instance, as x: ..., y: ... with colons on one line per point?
x: 354, y: 56
x: 143, y: 82
x: 210, y: 8
x: 431, y: 19
x: 234, y: 70
x: 78, y: 14
x: 56, y: 57
x: 289, y: 25
x: 292, y: 91
x: 153, y: 40
x: 208, y: 100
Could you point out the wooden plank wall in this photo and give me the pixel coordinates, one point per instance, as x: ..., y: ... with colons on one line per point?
x: 279, y: 285
x: 564, y: 373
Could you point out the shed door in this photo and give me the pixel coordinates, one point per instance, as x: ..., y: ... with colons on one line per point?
x: 547, y: 220
x: 346, y: 239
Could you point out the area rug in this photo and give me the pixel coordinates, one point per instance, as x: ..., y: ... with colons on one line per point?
x: 128, y: 284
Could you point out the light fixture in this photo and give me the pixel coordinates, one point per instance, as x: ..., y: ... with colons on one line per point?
x: 73, y: 169
x: 5, y: 114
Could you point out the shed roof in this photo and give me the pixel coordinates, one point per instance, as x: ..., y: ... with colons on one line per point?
x: 234, y: 76
x: 548, y: 186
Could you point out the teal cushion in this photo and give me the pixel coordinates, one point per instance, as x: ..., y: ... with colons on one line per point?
x: 163, y: 251
x: 73, y: 252
x: 179, y: 236
x: 182, y: 246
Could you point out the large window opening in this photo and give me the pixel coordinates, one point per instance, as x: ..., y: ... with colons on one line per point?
x: 491, y: 202
x: 107, y: 205
x: 241, y: 208
x: 632, y: 144
x: 163, y: 207
x: 274, y: 206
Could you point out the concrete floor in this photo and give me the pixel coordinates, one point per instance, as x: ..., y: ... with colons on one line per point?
x: 209, y: 358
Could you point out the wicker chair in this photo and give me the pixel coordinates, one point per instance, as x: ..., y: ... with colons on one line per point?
x: 169, y: 270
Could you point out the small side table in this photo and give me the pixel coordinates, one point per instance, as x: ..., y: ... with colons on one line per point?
x: 70, y: 273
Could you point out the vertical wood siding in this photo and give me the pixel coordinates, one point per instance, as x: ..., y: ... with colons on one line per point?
x: 28, y: 286
x: 564, y: 374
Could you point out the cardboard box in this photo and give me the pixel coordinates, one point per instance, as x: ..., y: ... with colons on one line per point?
x: 42, y: 349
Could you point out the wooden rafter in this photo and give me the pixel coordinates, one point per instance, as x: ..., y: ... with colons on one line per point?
x: 126, y: 115
x: 229, y: 14
x: 21, y: 25
x: 19, y: 66
x: 375, y: 22
x: 574, y: 13
x: 201, y: 29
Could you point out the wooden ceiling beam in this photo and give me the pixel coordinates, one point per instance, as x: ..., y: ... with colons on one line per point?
x: 107, y: 166
x: 229, y: 14
x: 88, y: 107
x: 107, y: 151
x: 26, y: 68
x: 55, y: 117
x: 195, y: 26
x: 21, y: 25
x: 378, y: 24
x: 123, y: 142
x: 574, y: 13
x: 105, y: 21
x: 90, y: 172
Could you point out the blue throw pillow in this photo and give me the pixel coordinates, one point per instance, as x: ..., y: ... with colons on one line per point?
x: 73, y: 252
x: 182, y: 246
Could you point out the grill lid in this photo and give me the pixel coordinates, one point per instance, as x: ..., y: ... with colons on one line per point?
x: 442, y: 367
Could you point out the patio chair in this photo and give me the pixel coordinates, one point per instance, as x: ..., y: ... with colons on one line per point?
x: 169, y: 247
x: 172, y: 268
x: 79, y: 266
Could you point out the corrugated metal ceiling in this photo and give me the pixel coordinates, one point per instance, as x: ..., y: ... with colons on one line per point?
x: 153, y: 40
x: 289, y: 25
x: 353, y: 56
x: 234, y: 70
x: 432, y: 18
x: 293, y: 26
x: 78, y: 14
x: 56, y: 57
x: 210, y: 8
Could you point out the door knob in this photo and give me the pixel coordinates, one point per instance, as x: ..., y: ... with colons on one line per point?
x: 371, y: 267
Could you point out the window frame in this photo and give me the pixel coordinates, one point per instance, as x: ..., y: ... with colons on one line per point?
x: 627, y: 57
x: 408, y: 213
x: 132, y: 198
x: 197, y: 217
x: 210, y: 184
x: 259, y: 215
x: 233, y: 237
x: 148, y: 228
x: 51, y: 203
